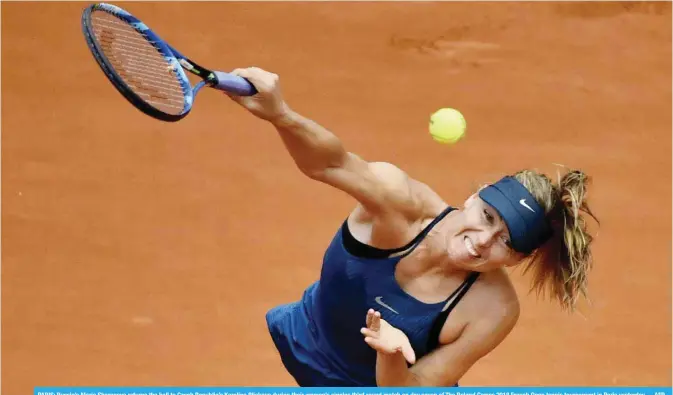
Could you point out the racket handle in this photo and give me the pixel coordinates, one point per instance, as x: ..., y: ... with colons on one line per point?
x: 234, y: 84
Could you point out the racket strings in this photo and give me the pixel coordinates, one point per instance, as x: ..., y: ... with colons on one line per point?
x: 142, y: 67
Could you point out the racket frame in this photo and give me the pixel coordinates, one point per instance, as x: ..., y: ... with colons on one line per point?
x: 172, y: 57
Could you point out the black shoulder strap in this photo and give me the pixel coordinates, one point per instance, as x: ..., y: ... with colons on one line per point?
x: 409, y: 247
x: 455, y: 297
x: 458, y: 294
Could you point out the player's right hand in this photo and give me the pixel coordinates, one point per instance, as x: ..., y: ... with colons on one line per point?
x: 268, y: 102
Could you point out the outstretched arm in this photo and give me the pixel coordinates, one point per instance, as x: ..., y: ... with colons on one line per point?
x: 320, y: 154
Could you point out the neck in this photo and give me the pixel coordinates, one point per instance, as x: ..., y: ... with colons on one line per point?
x: 442, y: 265
x: 434, y: 251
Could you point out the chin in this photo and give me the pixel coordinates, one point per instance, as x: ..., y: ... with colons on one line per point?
x: 463, y: 261
x: 472, y: 264
x: 459, y: 255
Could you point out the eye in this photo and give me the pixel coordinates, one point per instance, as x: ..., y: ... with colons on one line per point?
x: 488, y: 216
x: 507, y: 242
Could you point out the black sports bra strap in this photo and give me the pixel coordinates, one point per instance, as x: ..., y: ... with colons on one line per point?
x: 458, y: 294
x: 457, y: 290
x: 455, y: 297
x: 419, y: 237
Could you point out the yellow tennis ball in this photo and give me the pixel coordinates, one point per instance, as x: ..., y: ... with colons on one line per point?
x: 447, y: 125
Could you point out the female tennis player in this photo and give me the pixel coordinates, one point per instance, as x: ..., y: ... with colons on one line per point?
x: 412, y: 291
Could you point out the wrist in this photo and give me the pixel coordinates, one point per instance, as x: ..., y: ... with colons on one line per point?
x: 285, y: 117
x: 392, y: 370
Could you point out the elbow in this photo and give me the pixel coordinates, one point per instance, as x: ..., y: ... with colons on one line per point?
x: 320, y: 170
x: 314, y: 173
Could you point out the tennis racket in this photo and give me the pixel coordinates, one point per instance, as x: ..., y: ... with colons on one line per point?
x: 146, y: 70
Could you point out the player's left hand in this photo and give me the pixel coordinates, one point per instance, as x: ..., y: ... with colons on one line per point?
x: 385, y: 338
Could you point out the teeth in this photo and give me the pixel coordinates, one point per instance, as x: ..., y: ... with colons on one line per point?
x: 470, y: 248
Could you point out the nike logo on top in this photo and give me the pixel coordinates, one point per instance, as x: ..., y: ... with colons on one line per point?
x: 379, y: 300
x: 523, y: 203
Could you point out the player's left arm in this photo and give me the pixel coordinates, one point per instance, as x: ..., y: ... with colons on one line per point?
x: 446, y: 365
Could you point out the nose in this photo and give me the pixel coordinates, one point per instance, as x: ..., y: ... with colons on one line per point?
x: 486, y: 238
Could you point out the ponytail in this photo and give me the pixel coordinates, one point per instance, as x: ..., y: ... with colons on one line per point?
x: 560, y: 267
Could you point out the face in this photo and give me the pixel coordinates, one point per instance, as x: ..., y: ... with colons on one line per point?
x: 479, y: 239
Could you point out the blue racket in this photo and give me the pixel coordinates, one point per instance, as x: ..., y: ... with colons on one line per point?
x: 146, y: 70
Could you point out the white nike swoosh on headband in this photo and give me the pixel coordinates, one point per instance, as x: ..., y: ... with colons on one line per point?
x: 523, y: 203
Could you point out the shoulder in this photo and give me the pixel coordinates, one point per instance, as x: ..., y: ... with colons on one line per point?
x: 497, y: 309
x: 416, y: 198
x: 408, y: 204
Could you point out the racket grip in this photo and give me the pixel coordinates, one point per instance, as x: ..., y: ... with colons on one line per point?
x: 234, y: 84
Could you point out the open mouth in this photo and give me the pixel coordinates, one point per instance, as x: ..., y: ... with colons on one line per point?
x: 470, y: 247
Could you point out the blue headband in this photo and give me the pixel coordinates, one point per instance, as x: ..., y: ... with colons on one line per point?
x: 528, y: 227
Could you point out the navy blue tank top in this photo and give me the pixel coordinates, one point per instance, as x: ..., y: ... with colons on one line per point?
x: 319, y: 337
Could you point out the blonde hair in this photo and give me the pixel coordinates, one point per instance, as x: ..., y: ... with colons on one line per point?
x: 560, y: 266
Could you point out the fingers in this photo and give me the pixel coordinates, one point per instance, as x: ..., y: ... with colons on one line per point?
x: 369, y: 333
x: 247, y: 71
x: 376, y: 321
x: 373, y: 337
x: 409, y: 354
x: 237, y: 72
x: 373, y: 320
x: 378, y: 344
x: 261, y: 79
x: 240, y: 73
x: 373, y: 325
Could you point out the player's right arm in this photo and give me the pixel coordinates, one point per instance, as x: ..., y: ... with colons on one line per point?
x: 381, y: 188
x: 378, y: 186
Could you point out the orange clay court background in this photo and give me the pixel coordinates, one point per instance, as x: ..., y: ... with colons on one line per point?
x: 137, y: 252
